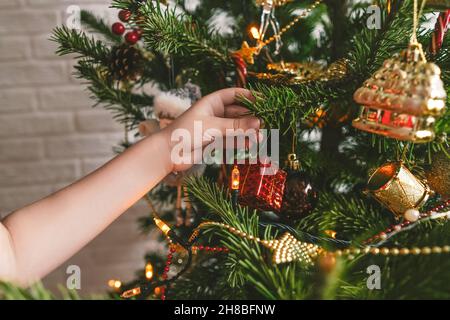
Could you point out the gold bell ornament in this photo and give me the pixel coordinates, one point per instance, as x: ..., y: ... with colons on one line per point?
x: 395, y: 187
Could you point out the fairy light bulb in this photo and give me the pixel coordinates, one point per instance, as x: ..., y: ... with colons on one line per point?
x: 162, y: 225
x: 255, y: 33
x: 131, y: 293
x: 235, y: 177
x: 331, y: 233
x: 115, y: 284
x: 149, y: 271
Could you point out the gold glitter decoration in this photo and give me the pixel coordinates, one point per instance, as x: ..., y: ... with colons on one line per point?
x: 287, y: 249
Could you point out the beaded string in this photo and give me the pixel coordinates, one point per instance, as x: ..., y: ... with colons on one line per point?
x: 348, y: 253
x: 433, y: 213
x: 290, y: 24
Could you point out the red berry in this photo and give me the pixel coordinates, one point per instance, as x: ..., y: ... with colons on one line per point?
x: 132, y: 37
x: 124, y: 15
x: 118, y: 28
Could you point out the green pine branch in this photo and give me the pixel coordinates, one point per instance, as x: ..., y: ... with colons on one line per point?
x: 127, y: 107
x: 98, y: 25
x: 170, y: 32
x: 72, y: 41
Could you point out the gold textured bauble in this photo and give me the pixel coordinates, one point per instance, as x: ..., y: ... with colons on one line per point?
x: 438, y: 175
x: 394, y: 186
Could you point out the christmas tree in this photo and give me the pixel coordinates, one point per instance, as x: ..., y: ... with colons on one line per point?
x: 358, y: 207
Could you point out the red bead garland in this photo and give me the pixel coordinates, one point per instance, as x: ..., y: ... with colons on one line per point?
x: 398, y: 227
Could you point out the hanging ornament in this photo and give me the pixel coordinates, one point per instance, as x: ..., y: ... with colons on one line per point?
x: 438, y: 174
x: 261, y: 186
x: 437, y: 38
x: 300, y: 196
x: 395, y: 187
x: 403, y: 98
x: 438, y: 4
x: 241, y: 70
x: 126, y: 63
x: 246, y: 52
x: 268, y: 18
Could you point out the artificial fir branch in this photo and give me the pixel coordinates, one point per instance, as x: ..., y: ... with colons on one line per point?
x: 97, y: 25
x: 127, y: 107
x: 77, y: 42
x: 172, y: 33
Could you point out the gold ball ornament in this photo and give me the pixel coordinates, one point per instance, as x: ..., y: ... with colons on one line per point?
x: 438, y: 174
x: 327, y: 262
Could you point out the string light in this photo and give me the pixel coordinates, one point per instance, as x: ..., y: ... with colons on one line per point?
x: 331, y: 233
x: 255, y: 33
x: 115, y: 284
x: 235, y: 180
x: 149, y: 271
x: 131, y: 293
x: 162, y: 226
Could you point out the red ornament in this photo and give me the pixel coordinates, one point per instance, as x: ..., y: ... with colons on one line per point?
x: 118, y: 28
x: 262, y: 186
x: 124, y: 15
x: 132, y: 37
x: 440, y: 29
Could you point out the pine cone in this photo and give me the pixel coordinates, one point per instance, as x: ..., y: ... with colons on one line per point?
x: 126, y: 63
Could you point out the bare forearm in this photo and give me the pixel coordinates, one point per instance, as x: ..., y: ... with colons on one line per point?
x: 51, y: 230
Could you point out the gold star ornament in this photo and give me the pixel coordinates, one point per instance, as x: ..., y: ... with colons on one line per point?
x: 247, y: 53
x: 287, y: 249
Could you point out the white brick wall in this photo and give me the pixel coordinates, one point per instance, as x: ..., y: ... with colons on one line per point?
x: 50, y: 136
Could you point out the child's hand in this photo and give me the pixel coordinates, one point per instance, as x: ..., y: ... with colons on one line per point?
x: 219, y: 111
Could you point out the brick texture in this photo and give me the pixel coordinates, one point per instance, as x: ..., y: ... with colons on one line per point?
x: 50, y: 136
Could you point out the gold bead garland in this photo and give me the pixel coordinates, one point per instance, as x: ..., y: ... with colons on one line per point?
x: 287, y: 248
x: 291, y: 24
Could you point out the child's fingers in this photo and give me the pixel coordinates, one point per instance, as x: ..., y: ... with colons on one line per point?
x: 242, y: 123
x: 219, y: 99
x: 235, y: 111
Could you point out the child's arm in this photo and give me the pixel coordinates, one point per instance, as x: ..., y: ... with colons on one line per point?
x: 36, y: 239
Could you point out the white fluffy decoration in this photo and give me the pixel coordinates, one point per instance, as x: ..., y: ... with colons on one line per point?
x: 168, y: 105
